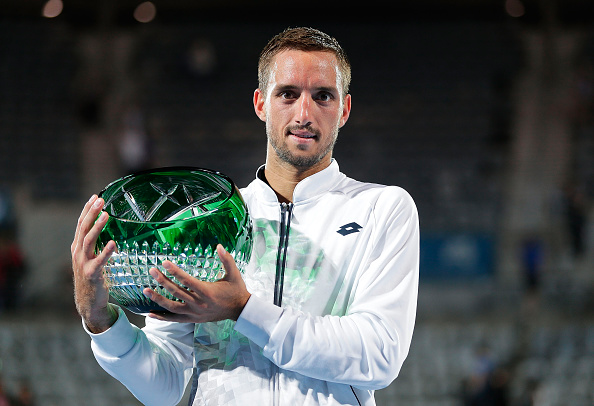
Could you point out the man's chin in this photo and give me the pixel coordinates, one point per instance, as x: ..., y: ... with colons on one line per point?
x: 300, y: 155
x: 300, y: 161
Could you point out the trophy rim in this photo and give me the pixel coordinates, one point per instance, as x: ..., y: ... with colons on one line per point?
x: 165, y: 169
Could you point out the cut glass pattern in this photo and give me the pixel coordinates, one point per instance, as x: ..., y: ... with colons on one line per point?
x: 175, y: 214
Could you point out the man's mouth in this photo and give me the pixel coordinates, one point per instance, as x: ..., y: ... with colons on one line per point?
x: 301, y: 133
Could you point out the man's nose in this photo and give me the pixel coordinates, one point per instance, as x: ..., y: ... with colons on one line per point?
x: 303, y: 115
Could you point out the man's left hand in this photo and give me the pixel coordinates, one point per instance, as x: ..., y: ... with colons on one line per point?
x: 202, y: 301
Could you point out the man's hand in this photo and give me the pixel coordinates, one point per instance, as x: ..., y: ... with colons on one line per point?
x: 204, y: 301
x: 90, y: 293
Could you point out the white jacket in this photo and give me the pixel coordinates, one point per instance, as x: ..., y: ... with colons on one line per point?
x: 346, y: 314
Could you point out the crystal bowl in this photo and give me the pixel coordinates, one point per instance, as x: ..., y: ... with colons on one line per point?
x: 178, y: 214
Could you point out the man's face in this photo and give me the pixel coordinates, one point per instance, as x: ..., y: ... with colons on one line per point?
x: 303, y: 108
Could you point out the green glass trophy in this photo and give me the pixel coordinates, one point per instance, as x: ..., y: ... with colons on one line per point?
x: 178, y: 214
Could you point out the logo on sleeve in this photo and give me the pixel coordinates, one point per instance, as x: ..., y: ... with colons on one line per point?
x: 349, y: 229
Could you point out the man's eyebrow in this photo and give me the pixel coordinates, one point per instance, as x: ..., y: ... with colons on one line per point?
x: 329, y: 89
x: 282, y: 87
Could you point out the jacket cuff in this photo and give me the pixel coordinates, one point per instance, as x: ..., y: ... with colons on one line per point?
x: 257, y: 320
x: 116, y: 340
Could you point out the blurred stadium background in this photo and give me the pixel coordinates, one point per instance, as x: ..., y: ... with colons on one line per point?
x: 482, y: 110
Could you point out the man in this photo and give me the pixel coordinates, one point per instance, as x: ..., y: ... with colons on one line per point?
x: 324, y: 313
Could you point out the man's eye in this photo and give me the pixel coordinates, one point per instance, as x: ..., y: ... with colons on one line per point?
x: 287, y: 95
x: 324, y: 97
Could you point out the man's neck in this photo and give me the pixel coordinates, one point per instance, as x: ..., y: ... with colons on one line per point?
x: 283, y: 177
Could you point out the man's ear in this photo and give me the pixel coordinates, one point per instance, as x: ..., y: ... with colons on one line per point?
x: 259, y: 99
x: 346, y: 110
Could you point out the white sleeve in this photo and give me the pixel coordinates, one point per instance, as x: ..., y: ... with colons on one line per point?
x: 154, y: 363
x: 367, y: 347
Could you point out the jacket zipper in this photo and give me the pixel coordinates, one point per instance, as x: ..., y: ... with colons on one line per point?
x: 281, y: 262
x: 281, y: 257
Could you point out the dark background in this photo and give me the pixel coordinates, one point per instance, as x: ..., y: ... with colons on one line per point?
x: 484, y: 117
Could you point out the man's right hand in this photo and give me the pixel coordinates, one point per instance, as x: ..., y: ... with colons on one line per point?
x: 90, y: 293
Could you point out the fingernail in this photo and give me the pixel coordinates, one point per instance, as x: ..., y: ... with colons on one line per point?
x: 97, y: 203
x: 153, y: 273
x: 92, y: 198
x: 103, y: 216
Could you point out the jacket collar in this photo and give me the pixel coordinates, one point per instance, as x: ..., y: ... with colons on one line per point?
x: 308, y: 188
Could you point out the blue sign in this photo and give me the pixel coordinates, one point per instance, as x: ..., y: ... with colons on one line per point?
x: 457, y: 255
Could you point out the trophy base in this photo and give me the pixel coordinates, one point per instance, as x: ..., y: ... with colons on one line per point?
x: 132, y: 298
x: 143, y: 310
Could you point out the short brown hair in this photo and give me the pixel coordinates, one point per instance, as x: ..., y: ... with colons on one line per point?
x: 303, y: 39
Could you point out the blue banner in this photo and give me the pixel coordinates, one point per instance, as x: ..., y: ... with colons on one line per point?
x: 457, y: 255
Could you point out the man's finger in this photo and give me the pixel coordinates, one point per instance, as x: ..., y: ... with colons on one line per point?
x: 91, y: 236
x: 231, y: 270
x: 183, y: 277
x: 168, y: 304
x: 104, y: 255
x: 83, y: 214
x: 89, y: 220
x: 169, y: 285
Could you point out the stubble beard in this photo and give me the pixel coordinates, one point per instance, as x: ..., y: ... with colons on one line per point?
x: 301, y: 162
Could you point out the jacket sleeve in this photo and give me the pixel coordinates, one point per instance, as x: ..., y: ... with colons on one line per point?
x: 154, y: 363
x: 367, y: 347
